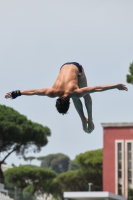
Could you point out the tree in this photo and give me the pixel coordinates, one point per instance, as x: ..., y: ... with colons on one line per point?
x: 91, y: 164
x: 57, y: 162
x: 90, y: 171
x: 74, y: 180
x: 77, y: 180
x: 130, y: 76
x: 30, y: 180
x: 19, y: 134
x: 29, y: 158
x: 55, y: 188
x: 29, y: 165
x: 73, y: 165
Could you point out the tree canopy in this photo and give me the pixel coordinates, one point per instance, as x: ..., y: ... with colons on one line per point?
x: 29, y: 158
x: 19, y: 134
x: 74, y: 180
x: 90, y: 163
x: 30, y: 180
x: 90, y: 159
x: 130, y: 75
x: 89, y: 170
x: 58, y: 162
x: 85, y: 168
x: 73, y: 165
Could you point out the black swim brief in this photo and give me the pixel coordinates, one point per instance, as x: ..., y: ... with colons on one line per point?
x: 76, y: 64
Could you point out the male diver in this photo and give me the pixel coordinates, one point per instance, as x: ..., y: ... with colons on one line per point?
x: 71, y: 83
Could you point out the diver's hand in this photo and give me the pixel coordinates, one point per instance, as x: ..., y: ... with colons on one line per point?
x: 121, y: 87
x: 13, y: 94
x: 8, y: 95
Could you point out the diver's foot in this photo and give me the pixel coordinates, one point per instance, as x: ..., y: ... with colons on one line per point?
x: 85, y: 125
x: 91, y: 126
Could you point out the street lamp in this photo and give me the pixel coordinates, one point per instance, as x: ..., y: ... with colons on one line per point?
x: 89, y: 186
x: 15, y: 193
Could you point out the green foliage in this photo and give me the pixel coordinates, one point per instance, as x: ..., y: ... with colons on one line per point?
x: 77, y: 180
x: 55, y: 188
x: 73, y: 165
x: 33, y: 181
x: 23, y: 176
x: 90, y: 159
x: 91, y: 164
x: 90, y: 171
x: 73, y: 181
x: 17, y: 129
x: 29, y: 166
x: 57, y: 162
x: 29, y: 158
x: 130, y: 75
x: 29, y: 180
x: 86, y: 168
x: 27, y: 193
x: 130, y: 194
x: 19, y: 134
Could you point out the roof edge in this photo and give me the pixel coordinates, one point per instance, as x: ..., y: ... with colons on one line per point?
x: 115, y: 124
x: 91, y: 195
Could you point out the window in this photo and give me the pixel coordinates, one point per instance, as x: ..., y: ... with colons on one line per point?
x: 119, y: 174
x: 123, y: 166
x: 129, y: 164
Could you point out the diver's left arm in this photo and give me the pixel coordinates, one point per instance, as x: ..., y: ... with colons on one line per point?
x: 87, y: 90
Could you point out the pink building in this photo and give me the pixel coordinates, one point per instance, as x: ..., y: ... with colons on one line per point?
x: 118, y: 157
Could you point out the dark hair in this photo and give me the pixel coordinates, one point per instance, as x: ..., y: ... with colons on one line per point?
x: 62, y: 104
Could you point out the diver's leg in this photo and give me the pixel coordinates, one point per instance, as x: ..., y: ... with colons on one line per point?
x: 88, y: 105
x: 79, y: 107
x: 82, y: 82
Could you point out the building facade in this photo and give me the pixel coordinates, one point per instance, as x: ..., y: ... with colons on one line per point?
x: 5, y: 167
x: 118, y: 157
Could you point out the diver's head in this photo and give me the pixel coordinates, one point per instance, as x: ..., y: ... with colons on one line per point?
x: 62, y: 104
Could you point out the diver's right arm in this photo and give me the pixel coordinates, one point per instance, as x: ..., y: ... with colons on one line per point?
x: 41, y: 92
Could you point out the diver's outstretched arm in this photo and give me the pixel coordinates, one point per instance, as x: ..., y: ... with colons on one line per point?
x: 41, y: 92
x: 86, y: 90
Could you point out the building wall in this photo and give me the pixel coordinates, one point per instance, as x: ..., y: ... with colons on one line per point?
x: 5, y: 167
x: 113, y: 135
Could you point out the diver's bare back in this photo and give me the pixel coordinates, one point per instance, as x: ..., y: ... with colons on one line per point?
x: 67, y: 80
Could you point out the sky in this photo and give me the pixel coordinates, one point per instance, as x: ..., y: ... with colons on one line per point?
x: 37, y: 37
